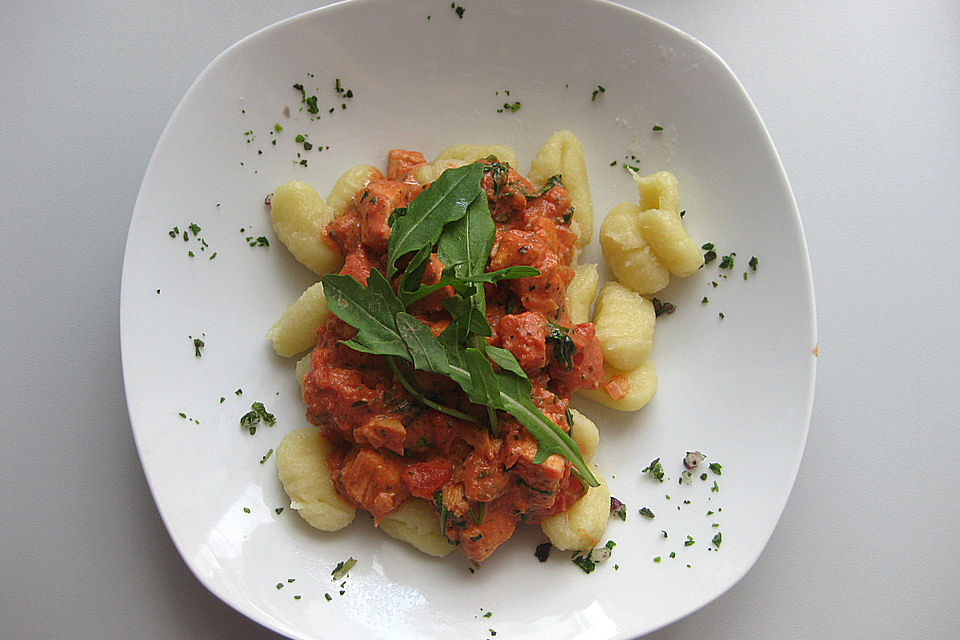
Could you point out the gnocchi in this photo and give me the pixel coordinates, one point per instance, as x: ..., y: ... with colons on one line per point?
x: 303, y: 367
x: 630, y: 257
x: 581, y: 291
x: 625, y: 390
x: 581, y: 526
x: 459, y: 155
x: 299, y: 215
x: 585, y: 433
x: 663, y: 230
x: 348, y: 184
x: 415, y: 522
x: 658, y: 191
x: 296, y: 330
x: 302, y: 467
x: 623, y: 322
x: 562, y: 154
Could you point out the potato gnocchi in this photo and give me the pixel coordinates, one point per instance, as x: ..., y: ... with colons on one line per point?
x: 296, y: 330
x: 562, y: 155
x: 581, y: 526
x: 302, y: 467
x: 624, y: 322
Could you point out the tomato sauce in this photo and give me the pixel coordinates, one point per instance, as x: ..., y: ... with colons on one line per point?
x: 390, y: 447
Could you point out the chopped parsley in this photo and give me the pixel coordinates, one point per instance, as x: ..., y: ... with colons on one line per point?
x: 715, y: 467
x: 726, y: 262
x: 715, y: 488
x: 655, y: 469
x: 277, y: 127
x: 709, y: 256
x: 266, y: 456
x: 278, y: 510
x: 647, y: 513
x: 542, y: 551
x: 689, y: 542
x: 705, y: 300
x: 590, y: 561
x: 488, y: 614
x: 657, y: 559
x: 342, y: 568
x: 717, y: 539
x: 197, y: 345
x: 661, y: 308
x: 703, y: 476
x: 512, y: 107
x: 246, y: 509
x: 753, y: 263
x: 657, y: 127
x: 721, y: 315
x: 673, y: 554
x: 260, y: 241
x: 457, y: 9
x: 257, y: 413
x: 597, y: 92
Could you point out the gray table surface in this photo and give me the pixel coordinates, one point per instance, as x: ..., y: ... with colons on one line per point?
x: 863, y: 103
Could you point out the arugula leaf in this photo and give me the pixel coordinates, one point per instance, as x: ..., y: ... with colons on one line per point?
x: 413, y: 274
x: 467, y: 317
x: 444, y: 201
x: 515, y: 394
x: 509, y: 273
x: 412, y: 388
x: 372, y: 310
x: 484, y: 386
x: 452, y: 213
x: 408, y: 294
x: 505, y: 360
x: 465, y: 244
x: 427, y: 353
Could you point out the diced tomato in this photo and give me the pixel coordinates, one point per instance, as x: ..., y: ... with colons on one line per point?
x: 424, y: 479
x: 617, y: 387
x: 400, y: 162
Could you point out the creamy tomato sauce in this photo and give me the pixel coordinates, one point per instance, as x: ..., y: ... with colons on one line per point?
x: 388, y: 446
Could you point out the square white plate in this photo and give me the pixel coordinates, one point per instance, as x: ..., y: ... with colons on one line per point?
x: 738, y: 388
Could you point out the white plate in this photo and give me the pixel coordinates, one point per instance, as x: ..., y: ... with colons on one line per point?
x: 738, y: 389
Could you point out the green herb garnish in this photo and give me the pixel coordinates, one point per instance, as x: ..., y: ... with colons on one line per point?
x: 753, y: 263
x: 655, y: 469
x: 342, y: 568
x: 657, y: 127
x: 646, y: 512
x: 197, y: 345
x: 715, y: 467
x: 596, y: 92
x: 563, y: 346
x: 717, y: 539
